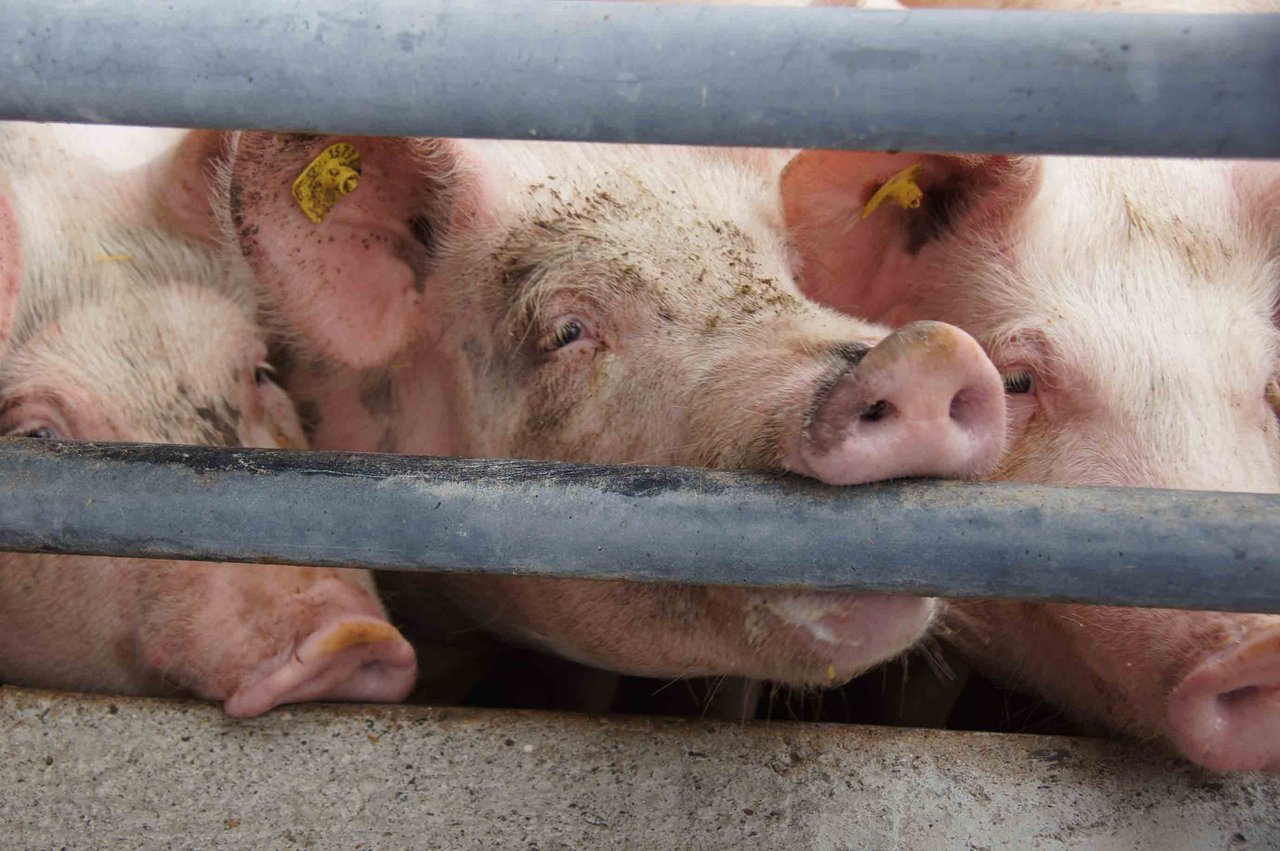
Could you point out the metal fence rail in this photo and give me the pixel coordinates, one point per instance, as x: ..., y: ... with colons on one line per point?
x: 1033, y: 82
x: 1124, y: 547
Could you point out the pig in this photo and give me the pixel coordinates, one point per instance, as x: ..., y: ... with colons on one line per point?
x: 119, y: 323
x: 601, y: 304
x: 1131, y: 307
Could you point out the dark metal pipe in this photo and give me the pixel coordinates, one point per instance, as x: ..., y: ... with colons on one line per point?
x: 1026, y: 82
x: 1182, y: 549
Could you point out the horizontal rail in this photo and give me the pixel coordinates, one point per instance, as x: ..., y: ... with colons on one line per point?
x: 1032, y: 82
x: 1180, y: 549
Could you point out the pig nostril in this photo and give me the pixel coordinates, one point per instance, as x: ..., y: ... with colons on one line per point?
x: 1239, y: 695
x: 876, y: 412
x: 962, y: 405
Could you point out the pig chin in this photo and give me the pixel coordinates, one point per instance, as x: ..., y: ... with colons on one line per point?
x: 796, y: 638
x: 837, y: 635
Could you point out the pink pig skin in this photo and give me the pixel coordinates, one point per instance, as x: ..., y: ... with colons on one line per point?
x: 1131, y: 307
x: 612, y: 305
x: 117, y: 322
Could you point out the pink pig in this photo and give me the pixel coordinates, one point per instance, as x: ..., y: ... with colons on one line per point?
x: 612, y: 305
x: 1131, y: 307
x: 117, y: 327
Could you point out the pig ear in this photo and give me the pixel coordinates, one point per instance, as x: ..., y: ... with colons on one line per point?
x: 863, y: 223
x: 182, y: 184
x: 343, y: 232
x: 10, y: 266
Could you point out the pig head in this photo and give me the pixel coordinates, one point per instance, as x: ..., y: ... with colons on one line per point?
x: 611, y: 305
x: 1131, y: 308
x: 118, y: 324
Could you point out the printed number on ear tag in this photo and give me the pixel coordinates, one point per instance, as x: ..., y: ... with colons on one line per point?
x: 902, y: 188
x: 329, y: 177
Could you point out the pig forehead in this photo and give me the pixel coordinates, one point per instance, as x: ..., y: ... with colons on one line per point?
x: 1178, y: 218
x: 117, y: 374
x: 181, y: 335
x: 1187, y: 337
x: 1121, y: 249
x: 673, y: 229
x: 644, y: 189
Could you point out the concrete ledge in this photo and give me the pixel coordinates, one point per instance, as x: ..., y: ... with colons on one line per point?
x: 97, y: 772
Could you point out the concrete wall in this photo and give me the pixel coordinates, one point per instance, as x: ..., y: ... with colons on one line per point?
x: 95, y: 772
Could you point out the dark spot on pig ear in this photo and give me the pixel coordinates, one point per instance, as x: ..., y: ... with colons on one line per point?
x: 377, y: 392
x: 939, y: 207
x: 474, y: 350
x: 424, y: 232
x: 418, y: 259
x: 281, y: 357
x: 418, y: 254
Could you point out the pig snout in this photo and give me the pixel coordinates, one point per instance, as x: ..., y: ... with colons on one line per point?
x: 284, y: 635
x: 926, y: 401
x: 1225, y: 714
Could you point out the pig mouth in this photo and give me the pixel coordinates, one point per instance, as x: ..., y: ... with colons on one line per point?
x: 840, y: 634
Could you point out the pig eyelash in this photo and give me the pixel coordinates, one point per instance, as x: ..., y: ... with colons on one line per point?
x: 263, y: 373
x: 37, y: 431
x: 1272, y: 395
x: 569, y: 330
x: 1019, y: 382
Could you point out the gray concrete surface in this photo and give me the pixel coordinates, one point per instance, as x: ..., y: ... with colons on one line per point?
x: 96, y: 772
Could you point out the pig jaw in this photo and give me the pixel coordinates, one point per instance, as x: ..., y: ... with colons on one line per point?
x: 926, y: 401
x: 789, y: 637
x: 850, y: 633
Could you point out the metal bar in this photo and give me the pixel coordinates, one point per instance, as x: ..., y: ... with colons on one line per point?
x: 1027, y: 82
x: 1123, y: 547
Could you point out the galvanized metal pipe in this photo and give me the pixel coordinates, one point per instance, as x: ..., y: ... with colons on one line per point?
x: 1028, y: 82
x: 1123, y: 547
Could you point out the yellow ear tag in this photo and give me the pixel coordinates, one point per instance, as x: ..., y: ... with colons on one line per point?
x: 329, y: 177
x: 902, y: 188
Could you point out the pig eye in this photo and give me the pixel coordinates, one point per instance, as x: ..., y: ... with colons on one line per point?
x: 264, y: 374
x: 1019, y: 382
x: 41, y: 432
x: 1273, y: 395
x: 568, y: 330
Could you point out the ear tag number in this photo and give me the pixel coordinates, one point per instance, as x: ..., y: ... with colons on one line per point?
x: 901, y: 188
x: 330, y: 177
